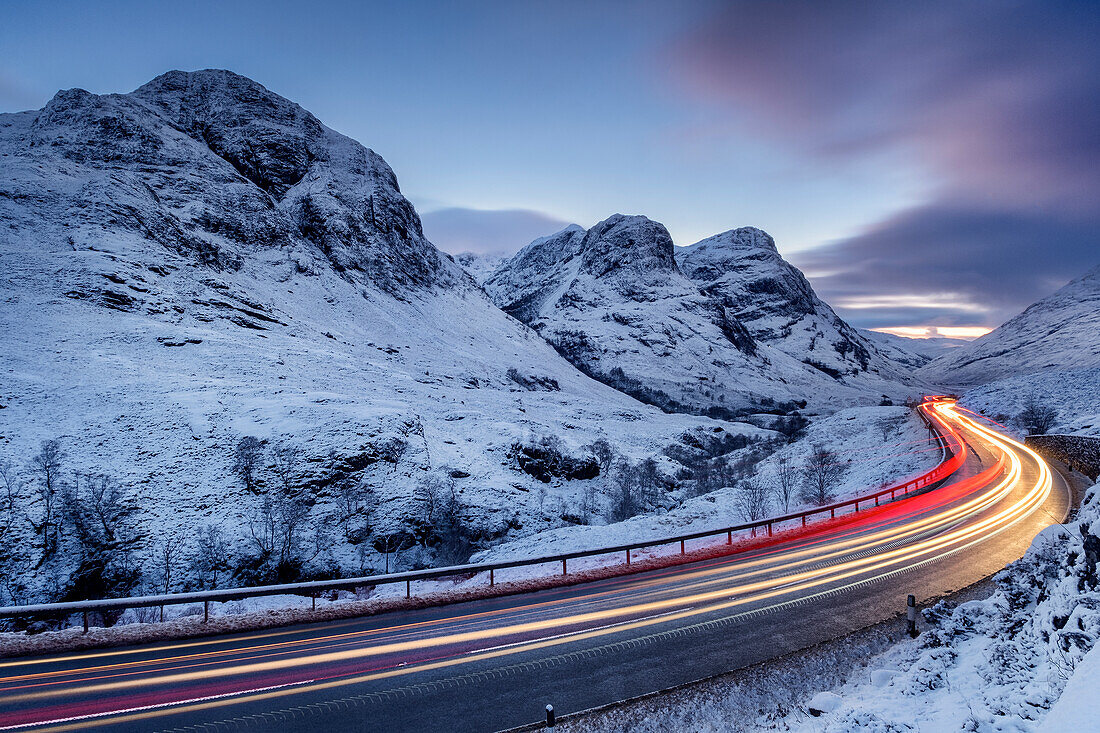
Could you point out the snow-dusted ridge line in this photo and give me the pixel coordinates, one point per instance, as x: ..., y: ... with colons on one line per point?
x: 952, y: 460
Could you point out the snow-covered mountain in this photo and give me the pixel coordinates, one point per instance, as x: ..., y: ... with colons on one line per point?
x: 479, y: 266
x: 775, y: 302
x: 202, y: 259
x: 911, y: 352
x: 1061, y: 331
x: 724, y: 324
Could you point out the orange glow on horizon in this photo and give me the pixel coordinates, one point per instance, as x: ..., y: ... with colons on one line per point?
x: 963, y: 333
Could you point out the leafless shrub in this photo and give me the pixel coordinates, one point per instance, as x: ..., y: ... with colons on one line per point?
x: 821, y: 472
x: 753, y: 500
x: 785, y: 483
x: 246, y: 461
x: 47, y: 466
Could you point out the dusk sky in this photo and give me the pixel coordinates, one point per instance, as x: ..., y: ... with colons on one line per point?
x: 926, y: 164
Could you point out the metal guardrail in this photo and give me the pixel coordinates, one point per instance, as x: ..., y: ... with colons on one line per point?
x: 953, y: 458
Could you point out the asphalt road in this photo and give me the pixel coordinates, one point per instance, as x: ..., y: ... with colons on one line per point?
x: 494, y: 664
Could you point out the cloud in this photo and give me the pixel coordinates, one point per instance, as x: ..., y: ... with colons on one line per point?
x: 956, y: 265
x: 500, y: 231
x: 997, y: 104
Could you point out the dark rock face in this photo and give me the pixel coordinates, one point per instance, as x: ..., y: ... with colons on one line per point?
x: 630, y: 249
x: 215, y: 167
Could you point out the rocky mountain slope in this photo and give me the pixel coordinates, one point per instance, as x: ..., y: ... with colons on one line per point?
x: 724, y: 325
x: 1061, y: 331
x: 774, y: 301
x: 202, y: 260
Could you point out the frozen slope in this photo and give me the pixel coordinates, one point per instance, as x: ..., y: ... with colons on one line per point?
x: 202, y: 260
x: 1061, y: 331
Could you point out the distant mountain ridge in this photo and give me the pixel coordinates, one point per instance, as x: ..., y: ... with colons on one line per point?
x: 725, y: 323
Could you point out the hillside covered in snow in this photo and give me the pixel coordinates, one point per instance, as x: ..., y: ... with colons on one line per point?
x: 1061, y: 331
x: 202, y: 261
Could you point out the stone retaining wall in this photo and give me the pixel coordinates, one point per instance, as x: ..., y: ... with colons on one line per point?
x: 1079, y: 452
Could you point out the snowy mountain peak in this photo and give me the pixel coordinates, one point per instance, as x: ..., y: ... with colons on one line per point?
x: 683, y: 327
x: 214, y: 166
x: 628, y: 246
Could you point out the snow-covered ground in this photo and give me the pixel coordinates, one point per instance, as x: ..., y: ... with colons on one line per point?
x: 871, y: 458
x: 1023, y: 659
x: 1074, y: 393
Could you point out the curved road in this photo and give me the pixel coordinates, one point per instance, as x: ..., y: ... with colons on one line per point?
x: 494, y: 664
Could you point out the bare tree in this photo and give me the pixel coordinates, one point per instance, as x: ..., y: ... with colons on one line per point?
x: 390, y: 545
x: 13, y: 561
x: 213, y: 555
x: 444, y: 517
x: 92, y: 506
x: 589, y: 502
x: 822, y: 470
x: 624, y: 490
x: 753, y: 499
x: 47, y: 465
x: 603, y: 454
x: 786, y: 483
x: 246, y: 461
x: 285, y: 458
x: 1037, y: 418
x: 167, y: 556
x: 11, y: 484
x: 649, y: 482
x: 354, y: 507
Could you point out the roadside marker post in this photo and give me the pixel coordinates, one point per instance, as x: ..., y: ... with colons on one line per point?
x: 549, y: 716
x: 911, y: 616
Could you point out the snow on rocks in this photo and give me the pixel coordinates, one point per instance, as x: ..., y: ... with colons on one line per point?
x: 823, y: 702
x: 724, y: 325
x: 1073, y: 393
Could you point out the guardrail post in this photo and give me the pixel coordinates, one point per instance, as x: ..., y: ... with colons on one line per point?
x: 857, y: 506
x: 408, y: 589
x: 313, y: 597
x: 681, y: 547
x: 803, y: 520
x: 832, y: 514
x: 729, y: 537
x: 205, y: 611
x: 564, y: 570
x: 628, y: 556
x: 491, y: 579
x: 769, y: 529
x: 85, y: 622
x: 876, y: 499
x: 549, y: 716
